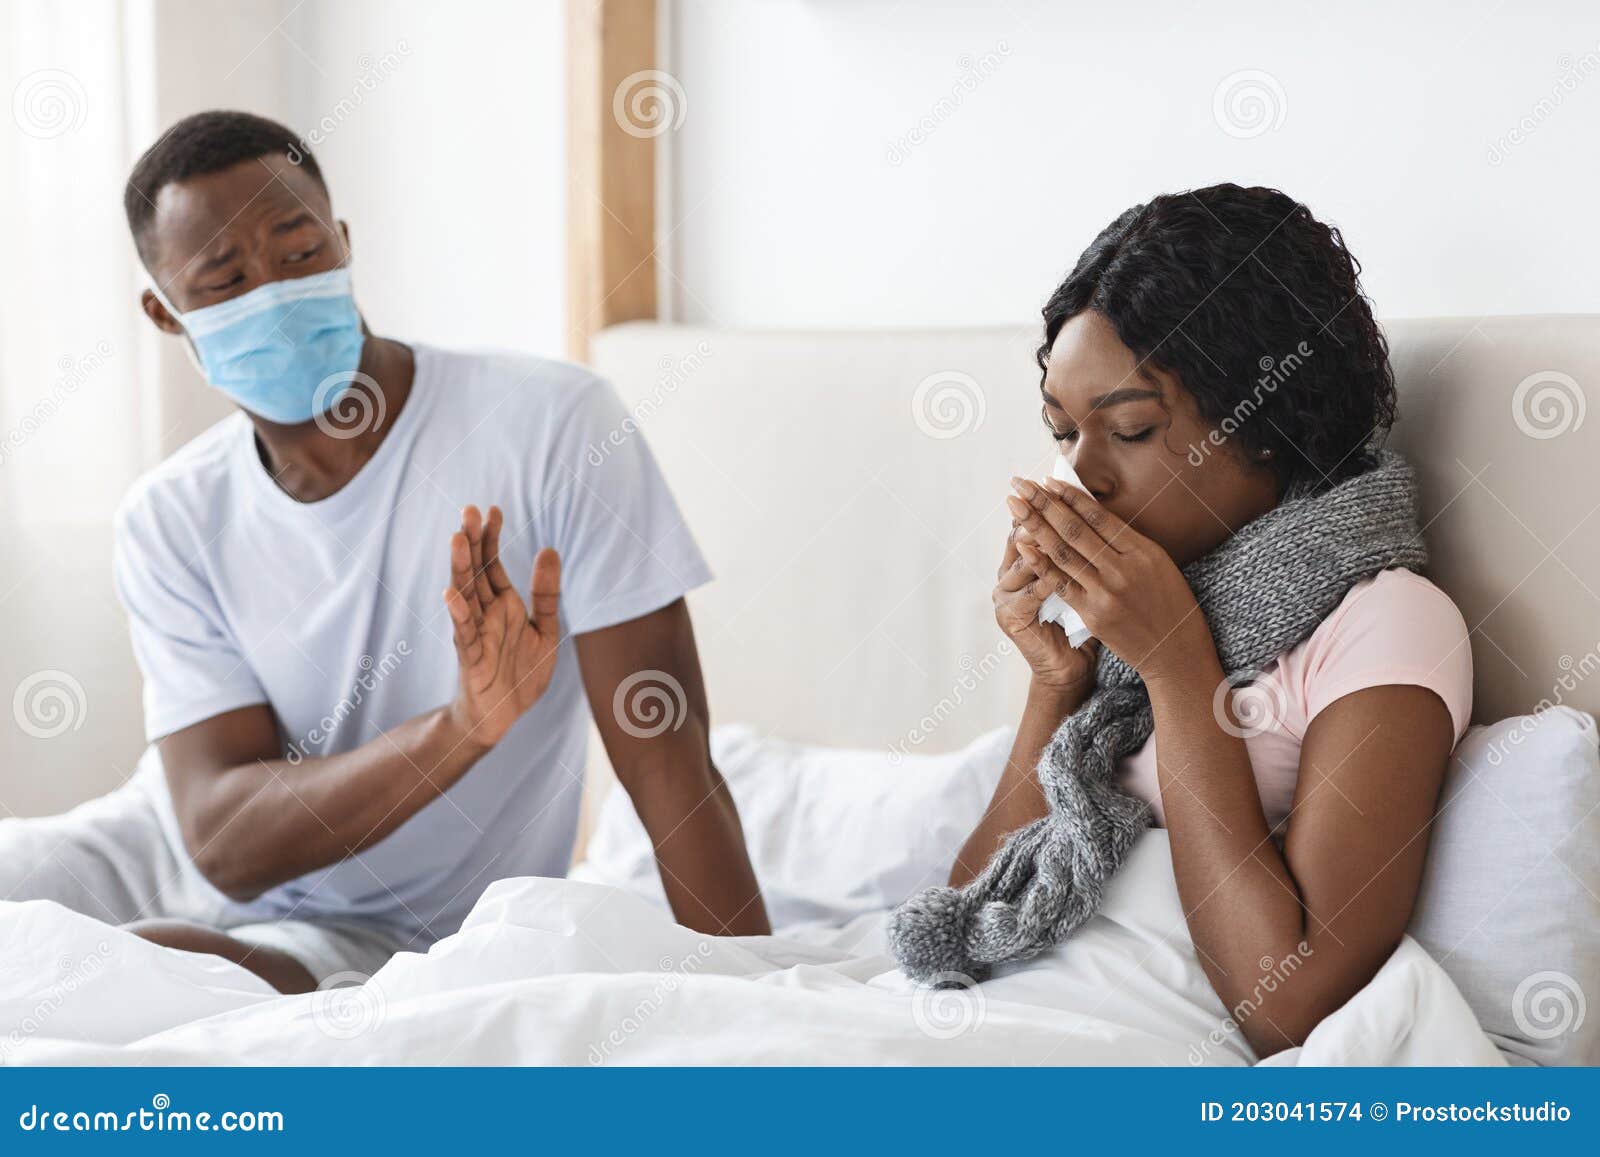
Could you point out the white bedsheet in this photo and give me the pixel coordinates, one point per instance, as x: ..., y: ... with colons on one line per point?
x: 561, y: 972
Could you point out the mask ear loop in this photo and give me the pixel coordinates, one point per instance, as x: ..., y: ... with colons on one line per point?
x: 177, y: 316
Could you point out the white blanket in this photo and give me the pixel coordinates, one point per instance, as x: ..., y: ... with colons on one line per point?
x: 560, y: 972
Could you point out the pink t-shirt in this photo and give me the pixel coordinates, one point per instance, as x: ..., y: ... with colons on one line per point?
x: 1395, y: 627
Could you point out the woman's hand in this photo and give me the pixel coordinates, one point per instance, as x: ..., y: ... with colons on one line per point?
x: 506, y: 657
x: 1127, y: 588
x: 1018, y: 595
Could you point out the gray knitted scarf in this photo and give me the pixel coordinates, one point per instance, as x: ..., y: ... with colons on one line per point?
x: 1262, y: 591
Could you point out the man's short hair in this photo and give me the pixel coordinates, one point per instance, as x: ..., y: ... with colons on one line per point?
x: 206, y: 142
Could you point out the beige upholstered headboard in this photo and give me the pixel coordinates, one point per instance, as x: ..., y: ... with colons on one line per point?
x: 1493, y: 415
x: 847, y: 488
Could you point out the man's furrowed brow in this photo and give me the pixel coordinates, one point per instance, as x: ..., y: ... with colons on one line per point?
x: 293, y: 223
x: 220, y: 259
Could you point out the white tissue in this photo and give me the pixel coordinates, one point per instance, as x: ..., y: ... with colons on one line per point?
x: 1055, y: 608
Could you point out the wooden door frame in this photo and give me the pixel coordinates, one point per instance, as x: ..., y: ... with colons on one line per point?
x: 611, y: 166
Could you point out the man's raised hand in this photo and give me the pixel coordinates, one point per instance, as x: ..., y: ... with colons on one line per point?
x: 506, y: 656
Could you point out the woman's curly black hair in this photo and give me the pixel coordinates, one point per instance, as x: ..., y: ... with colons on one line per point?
x: 1257, y: 308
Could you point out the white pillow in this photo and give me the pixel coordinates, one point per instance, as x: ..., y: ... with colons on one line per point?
x: 1510, y: 899
x: 833, y: 832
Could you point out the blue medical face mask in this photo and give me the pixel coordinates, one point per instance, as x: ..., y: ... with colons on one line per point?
x: 286, y: 350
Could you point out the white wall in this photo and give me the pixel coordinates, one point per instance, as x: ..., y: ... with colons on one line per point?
x: 804, y: 196
x: 441, y: 129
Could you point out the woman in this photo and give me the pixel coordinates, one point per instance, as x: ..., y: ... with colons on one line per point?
x: 1211, y: 365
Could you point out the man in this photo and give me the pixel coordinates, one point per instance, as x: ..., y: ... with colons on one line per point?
x: 349, y: 759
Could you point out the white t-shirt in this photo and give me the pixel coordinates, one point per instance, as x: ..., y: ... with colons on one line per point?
x: 331, y: 611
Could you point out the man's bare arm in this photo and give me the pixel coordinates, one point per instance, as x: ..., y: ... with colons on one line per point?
x: 252, y: 818
x: 656, y: 732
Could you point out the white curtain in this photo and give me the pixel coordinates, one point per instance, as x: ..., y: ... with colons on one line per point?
x: 89, y: 395
x: 73, y: 432
x: 77, y: 414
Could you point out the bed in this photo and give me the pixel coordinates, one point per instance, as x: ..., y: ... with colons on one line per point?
x: 846, y: 487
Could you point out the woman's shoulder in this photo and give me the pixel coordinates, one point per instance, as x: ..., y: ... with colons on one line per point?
x: 1394, y: 595
x: 1392, y: 627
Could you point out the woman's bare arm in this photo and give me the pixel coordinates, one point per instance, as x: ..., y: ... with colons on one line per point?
x: 1338, y: 896
x: 1288, y: 936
